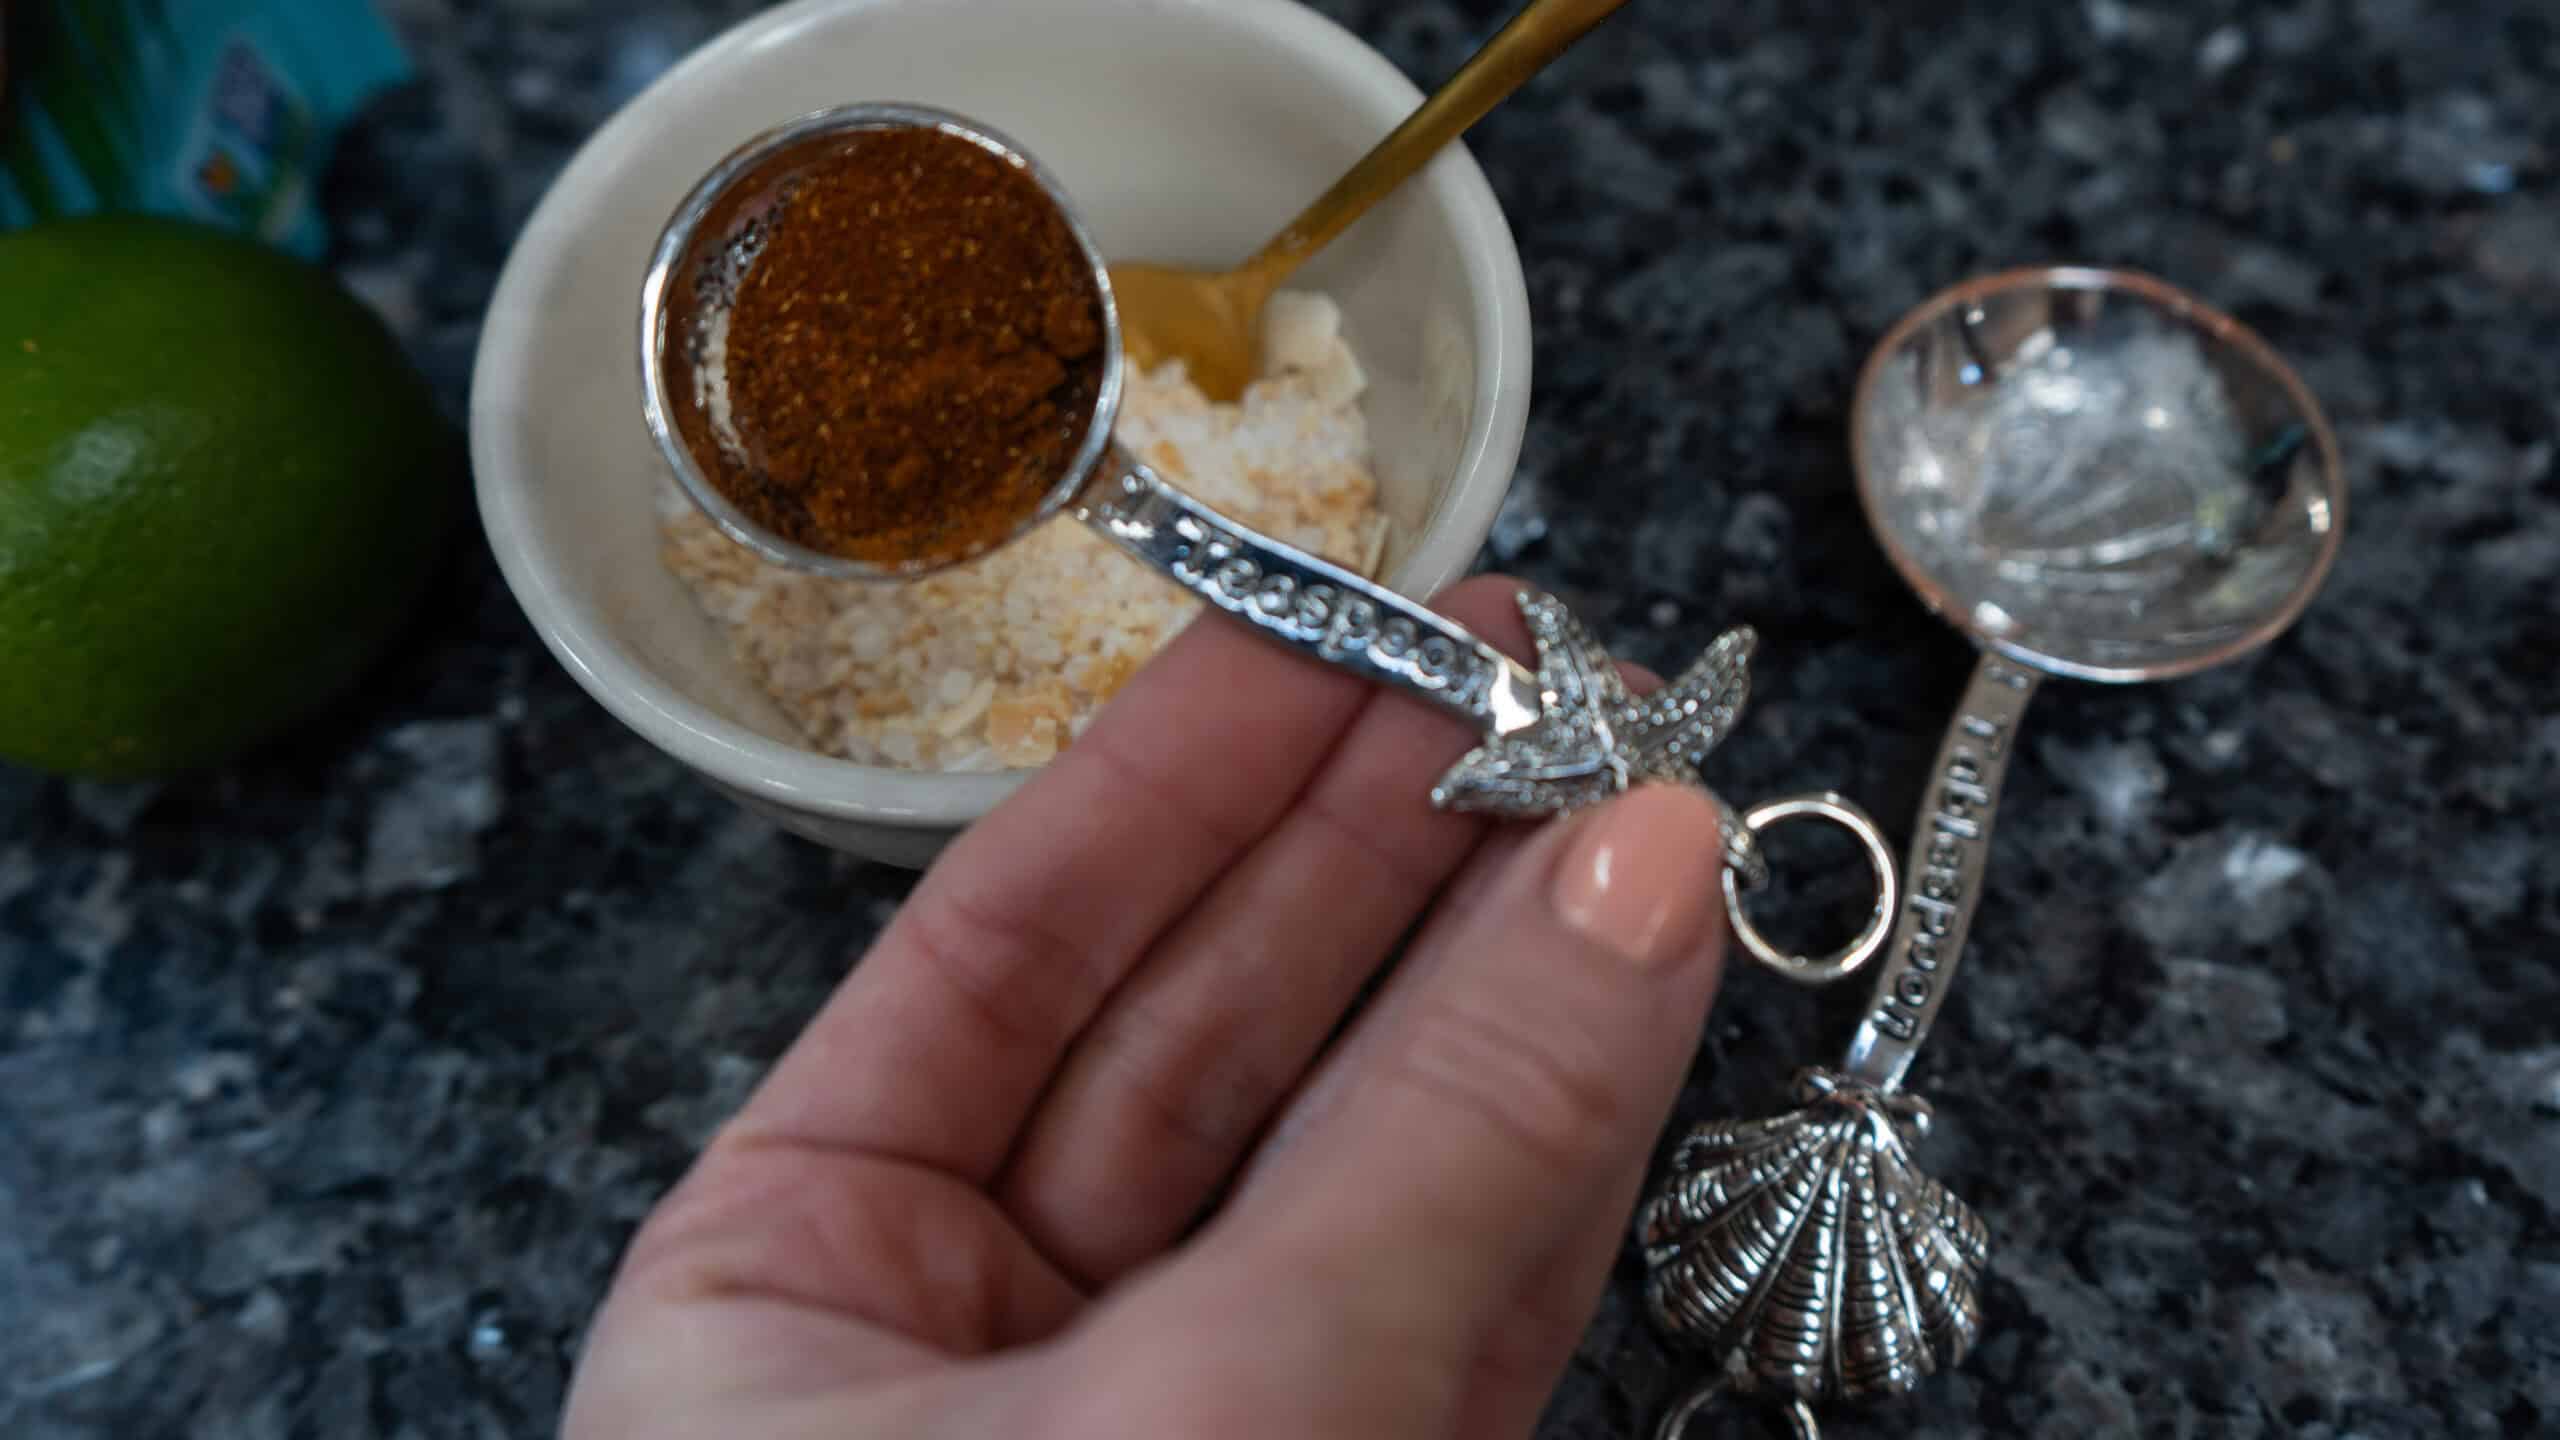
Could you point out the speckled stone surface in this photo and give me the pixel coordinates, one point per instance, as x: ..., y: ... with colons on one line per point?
x: 331, y: 1084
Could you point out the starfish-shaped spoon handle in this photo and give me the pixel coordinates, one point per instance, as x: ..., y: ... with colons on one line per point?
x: 1560, y: 738
x: 1593, y: 739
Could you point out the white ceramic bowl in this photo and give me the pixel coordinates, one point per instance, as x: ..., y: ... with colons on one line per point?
x: 1187, y: 130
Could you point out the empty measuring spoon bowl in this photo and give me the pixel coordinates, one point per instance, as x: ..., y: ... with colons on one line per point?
x: 2096, y: 474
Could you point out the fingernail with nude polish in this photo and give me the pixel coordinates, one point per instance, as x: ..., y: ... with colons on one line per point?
x: 1638, y: 876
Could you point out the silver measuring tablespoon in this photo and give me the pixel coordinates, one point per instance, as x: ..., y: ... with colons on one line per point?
x: 2095, y: 476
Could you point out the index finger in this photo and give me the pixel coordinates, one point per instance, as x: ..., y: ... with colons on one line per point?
x: 937, y: 1046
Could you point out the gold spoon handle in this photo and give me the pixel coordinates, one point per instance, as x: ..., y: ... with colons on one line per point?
x: 1535, y: 36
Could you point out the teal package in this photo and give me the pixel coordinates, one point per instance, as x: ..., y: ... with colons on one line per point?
x: 223, y: 111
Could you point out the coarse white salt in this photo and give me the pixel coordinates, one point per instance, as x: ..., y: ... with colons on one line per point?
x: 1002, y: 662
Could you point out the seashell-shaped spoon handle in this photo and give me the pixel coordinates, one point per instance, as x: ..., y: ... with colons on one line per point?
x: 1808, y: 1249
x: 1771, y: 1241
x: 1812, y: 1254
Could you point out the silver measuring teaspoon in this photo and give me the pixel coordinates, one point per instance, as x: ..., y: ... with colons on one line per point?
x: 1555, y: 737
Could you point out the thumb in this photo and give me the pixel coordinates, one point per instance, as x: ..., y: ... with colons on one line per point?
x: 1521, y: 1063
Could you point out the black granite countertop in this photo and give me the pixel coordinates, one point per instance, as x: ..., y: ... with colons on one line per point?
x: 331, y: 1084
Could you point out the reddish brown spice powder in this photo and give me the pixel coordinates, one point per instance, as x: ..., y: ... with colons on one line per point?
x: 914, y: 357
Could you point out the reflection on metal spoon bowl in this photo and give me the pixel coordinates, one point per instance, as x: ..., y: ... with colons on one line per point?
x: 2095, y: 474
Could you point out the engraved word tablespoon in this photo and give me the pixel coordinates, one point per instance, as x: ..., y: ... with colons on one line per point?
x: 2095, y: 476
x: 1555, y: 738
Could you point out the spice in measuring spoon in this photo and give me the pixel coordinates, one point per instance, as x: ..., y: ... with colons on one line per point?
x: 1552, y: 739
x: 913, y: 359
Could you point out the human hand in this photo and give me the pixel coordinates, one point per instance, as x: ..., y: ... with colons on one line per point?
x: 1075, y: 1150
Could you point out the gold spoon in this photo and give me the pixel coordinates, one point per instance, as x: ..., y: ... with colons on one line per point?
x: 1212, y: 320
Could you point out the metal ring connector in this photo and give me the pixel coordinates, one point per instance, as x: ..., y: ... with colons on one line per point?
x: 1844, y: 962
x: 1794, y: 1411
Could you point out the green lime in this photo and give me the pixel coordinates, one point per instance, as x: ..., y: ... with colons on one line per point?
x: 222, y: 489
